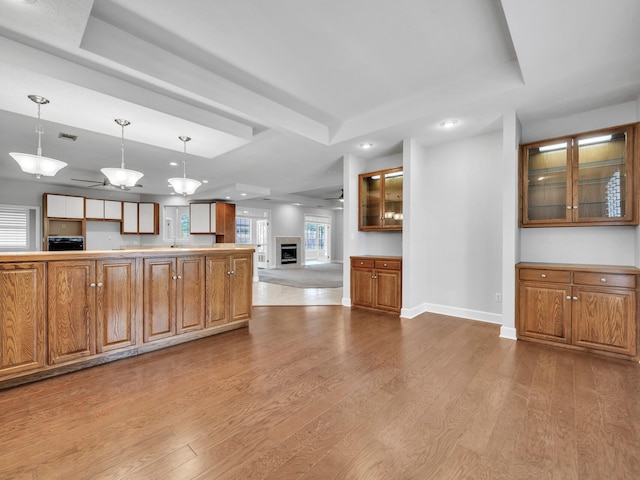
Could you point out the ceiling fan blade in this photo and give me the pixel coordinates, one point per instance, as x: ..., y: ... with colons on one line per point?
x: 96, y: 183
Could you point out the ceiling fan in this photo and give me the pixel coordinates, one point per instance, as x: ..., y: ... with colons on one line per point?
x: 104, y: 183
x: 341, y: 197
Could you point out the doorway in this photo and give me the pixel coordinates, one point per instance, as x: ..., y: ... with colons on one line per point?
x: 317, y: 239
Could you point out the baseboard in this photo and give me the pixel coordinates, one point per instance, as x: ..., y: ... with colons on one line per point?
x: 256, y: 279
x: 453, y: 312
x: 413, y: 312
x: 508, y: 332
x: 346, y: 302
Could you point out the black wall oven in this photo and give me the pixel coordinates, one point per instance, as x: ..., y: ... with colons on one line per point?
x: 57, y: 244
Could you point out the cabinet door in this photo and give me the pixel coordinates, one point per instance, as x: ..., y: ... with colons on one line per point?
x: 370, y: 198
x: 240, y: 287
x: 22, y: 317
x: 217, y: 293
x: 388, y: 290
x: 148, y: 218
x: 544, y: 312
x: 112, y: 210
x: 362, y: 287
x: 94, y: 208
x: 199, y: 217
x: 190, y: 294
x: 115, y: 306
x: 545, y: 183
x: 56, y: 206
x: 605, y: 319
x: 601, y: 192
x: 159, y: 298
x: 392, y: 215
x: 71, y: 295
x: 75, y: 207
x: 129, y: 217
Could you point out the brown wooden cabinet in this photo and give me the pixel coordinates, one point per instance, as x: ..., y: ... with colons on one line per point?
x: 376, y: 282
x: 584, y: 179
x: 380, y: 200
x: 62, y: 311
x: 229, y: 288
x: 592, y: 308
x: 22, y: 317
x: 173, y: 296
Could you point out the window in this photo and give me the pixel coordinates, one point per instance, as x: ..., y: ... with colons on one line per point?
x: 176, y: 221
x: 19, y: 228
x: 243, y: 230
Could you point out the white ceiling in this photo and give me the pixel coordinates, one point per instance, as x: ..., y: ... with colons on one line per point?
x: 273, y: 93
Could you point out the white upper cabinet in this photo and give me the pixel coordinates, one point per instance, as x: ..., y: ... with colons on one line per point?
x: 65, y: 206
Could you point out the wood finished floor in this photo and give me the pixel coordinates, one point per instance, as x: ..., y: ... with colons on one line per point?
x: 327, y: 392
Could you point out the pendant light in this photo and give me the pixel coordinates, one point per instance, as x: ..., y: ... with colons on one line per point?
x: 37, y: 164
x: 184, y: 185
x: 122, y: 177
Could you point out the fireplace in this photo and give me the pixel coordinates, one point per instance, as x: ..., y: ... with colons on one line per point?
x: 289, y: 253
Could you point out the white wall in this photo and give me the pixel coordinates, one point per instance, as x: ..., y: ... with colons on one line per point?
x: 460, y: 217
x: 415, y: 230
x: 613, y: 245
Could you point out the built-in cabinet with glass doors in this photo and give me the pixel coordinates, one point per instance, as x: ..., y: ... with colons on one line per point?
x: 584, y: 179
x: 380, y: 200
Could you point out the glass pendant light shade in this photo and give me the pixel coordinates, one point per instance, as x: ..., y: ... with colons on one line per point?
x: 122, y: 177
x: 183, y: 185
x: 37, y: 164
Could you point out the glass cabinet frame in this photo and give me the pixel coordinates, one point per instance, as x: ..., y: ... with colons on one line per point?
x: 380, y: 200
x: 580, y: 180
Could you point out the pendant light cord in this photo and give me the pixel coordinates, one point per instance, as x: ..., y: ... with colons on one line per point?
x: 40, y: 132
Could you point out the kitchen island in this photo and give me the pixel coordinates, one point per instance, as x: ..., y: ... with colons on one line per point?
x: 63, y: 311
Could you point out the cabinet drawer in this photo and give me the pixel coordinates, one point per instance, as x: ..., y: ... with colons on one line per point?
x: 541, y: 275
x: 388, y: 264
x: 362, y: 263
x: 604, y: 279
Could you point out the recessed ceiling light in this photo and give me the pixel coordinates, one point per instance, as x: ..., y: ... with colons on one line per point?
x: 298, y: 204
x: 227, y: 198
x: 173, y: 164
x: 173, y: 193
x: 366, y: 145
x: 205, y: 181
x: 449, y: 123
x: 243, y: 194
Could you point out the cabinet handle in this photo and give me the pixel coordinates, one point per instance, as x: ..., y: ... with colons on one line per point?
x: 385, y: 264
x: 603, y: 280
x: 99, y: 284
x: 361, y: 263
x: 174, y: 277
x: 374, y: 276
x: 232, y: 272
x: 575, y: 298
x: 568, y: 297
x: 179, y: 277
x: 92, y: 285
x: 544, y: 275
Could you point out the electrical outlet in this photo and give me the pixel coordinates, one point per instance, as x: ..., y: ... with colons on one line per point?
x: 498, y: 297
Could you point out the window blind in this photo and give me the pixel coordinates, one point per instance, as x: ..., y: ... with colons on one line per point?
x: 13, y: 228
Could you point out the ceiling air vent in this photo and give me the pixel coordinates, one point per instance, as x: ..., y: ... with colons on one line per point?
x: 68, y: 136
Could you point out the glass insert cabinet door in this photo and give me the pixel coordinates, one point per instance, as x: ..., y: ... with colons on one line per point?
x: 380, y: 200
x: 547, y: 195
x: 585, y: 179
x: 602, y: 176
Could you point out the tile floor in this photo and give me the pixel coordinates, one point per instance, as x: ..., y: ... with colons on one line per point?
x: 272, y: 294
